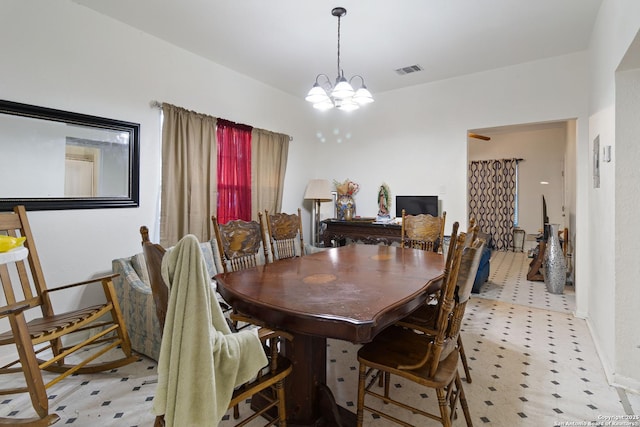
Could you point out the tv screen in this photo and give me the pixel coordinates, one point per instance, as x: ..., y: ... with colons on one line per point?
x: 415, y: 205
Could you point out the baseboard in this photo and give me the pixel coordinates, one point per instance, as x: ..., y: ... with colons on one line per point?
x: 606, y: 366
x: 630, y: 385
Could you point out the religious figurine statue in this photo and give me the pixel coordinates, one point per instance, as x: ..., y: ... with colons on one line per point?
x: 384, y: 202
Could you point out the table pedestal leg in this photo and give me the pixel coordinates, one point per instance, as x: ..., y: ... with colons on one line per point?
x: 309, y: 400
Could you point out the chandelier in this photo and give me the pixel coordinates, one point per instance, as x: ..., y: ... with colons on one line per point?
x: 324, y: 96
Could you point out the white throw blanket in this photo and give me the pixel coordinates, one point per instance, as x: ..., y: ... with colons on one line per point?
x: 201, y: 361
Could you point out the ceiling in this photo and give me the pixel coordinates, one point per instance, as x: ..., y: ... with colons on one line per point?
x: 286, y: 43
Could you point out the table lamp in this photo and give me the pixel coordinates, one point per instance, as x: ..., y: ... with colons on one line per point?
x: 318, y: 190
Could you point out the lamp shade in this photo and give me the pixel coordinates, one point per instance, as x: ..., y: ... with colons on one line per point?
x: 342, y: 89
x: 363, y: 96
x: 318, y: 189
x: 324, y: 105
x: 348, y: 104
x: 317, y: 94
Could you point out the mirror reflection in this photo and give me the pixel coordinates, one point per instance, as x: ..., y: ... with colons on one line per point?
x: 61, y: 160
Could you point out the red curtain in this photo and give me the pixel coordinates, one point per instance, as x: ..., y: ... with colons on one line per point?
x: 234, y: 171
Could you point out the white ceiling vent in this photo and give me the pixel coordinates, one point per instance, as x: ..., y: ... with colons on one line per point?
x: 410, y: 69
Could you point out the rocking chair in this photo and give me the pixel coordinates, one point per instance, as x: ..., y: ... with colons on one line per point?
x: 39, y: 341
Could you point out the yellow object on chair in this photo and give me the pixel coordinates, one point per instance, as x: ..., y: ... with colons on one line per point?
x: 7, y: 242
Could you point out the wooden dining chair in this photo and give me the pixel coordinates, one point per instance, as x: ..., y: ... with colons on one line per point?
x: 422, y: 231
x: 268, y: 384
x: 153, y: 254
x: 425, y: 232
x: 284, y: 232
x: 50, y: 340
x: 428, y: 360
x: 239, y: 244
x: 425, y: 318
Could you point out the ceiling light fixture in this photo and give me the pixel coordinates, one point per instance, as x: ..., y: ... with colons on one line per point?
x: 325, y: 96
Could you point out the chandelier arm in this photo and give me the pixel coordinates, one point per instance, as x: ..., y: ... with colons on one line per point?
x: 327, y: 82
x: 361, y: 79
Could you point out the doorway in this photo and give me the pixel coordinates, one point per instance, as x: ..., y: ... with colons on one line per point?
x: 547, y: 168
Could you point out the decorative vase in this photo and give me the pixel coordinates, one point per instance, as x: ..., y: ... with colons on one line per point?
x: 348, y: 213
x: 555, y: 266
x: 345, y: 204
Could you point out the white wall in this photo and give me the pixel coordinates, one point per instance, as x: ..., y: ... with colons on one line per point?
x: 627, y: 177
x: 608, y: 267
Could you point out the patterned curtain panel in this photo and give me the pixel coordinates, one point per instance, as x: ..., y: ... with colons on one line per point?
x: 492, y: 193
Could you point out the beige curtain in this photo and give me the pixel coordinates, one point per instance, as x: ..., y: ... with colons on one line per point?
x: 189, y: 170
x: 269, y: 152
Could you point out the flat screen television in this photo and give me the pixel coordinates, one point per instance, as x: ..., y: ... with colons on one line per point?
x: 415, y: 205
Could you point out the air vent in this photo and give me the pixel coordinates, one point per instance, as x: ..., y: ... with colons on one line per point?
x: 408, y: 70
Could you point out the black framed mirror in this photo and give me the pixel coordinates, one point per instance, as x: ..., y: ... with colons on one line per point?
x: 54, y: 159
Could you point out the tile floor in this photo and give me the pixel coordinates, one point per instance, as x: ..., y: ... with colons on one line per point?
x: 532, y: 364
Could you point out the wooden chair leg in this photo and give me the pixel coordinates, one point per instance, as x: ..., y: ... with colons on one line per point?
x: 463, y: 402
x: 444, y: 407
x: 360, y: 408
x: 282, y: 407
x: 463, y: 356
x: 387, y: 380
x: 30, y: 367
x: 31, y: 422
x: 31, y: 371
x: 236, y: 412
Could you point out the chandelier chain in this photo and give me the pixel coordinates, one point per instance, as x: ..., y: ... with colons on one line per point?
x: 339, y: 46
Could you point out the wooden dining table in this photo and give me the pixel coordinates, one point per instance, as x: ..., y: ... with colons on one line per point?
x: 348, y: 293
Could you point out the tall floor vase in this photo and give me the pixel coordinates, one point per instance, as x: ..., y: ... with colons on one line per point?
x: 555, y: 266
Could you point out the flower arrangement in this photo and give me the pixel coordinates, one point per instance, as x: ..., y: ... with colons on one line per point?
x: 346, y: 188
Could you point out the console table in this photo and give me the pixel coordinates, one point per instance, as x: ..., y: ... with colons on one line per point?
x: 360, y: 230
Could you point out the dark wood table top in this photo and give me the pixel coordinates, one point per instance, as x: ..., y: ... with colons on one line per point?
x: 350, y: 293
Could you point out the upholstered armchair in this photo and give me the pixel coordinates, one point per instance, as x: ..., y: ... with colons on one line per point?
x: 133, y: 291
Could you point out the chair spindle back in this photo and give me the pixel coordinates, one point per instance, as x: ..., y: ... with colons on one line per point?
x: 282, y: 230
